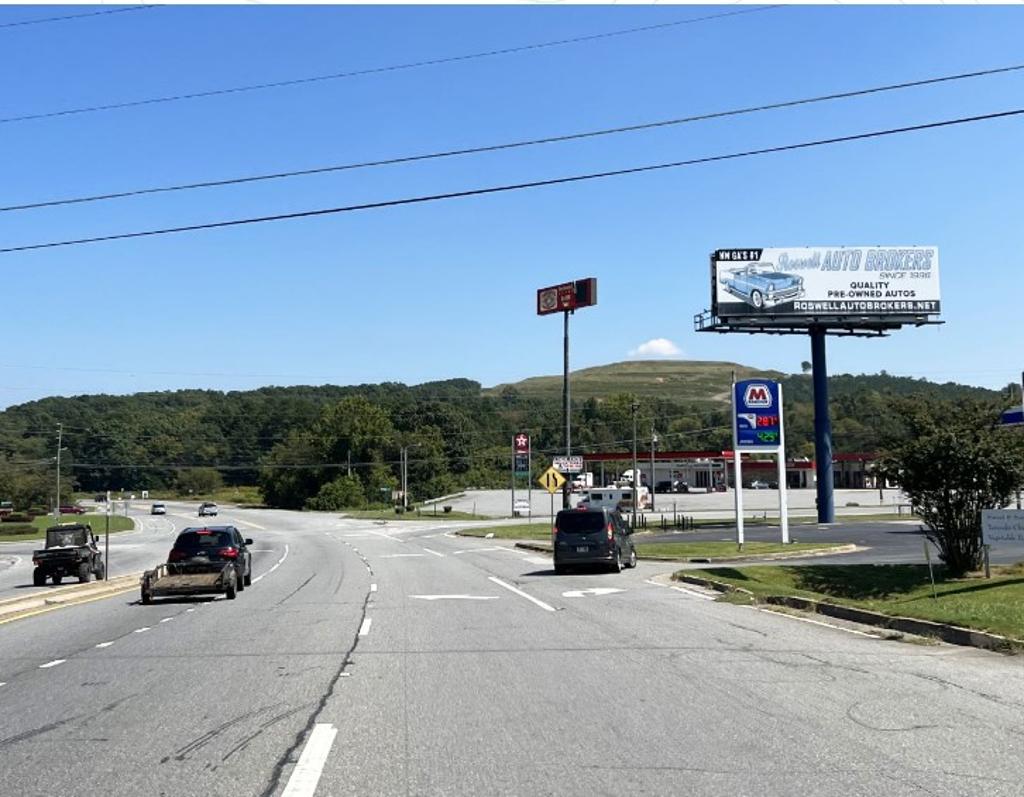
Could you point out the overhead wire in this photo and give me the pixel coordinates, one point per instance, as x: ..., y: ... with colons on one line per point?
x: 67, y: 17
x: 383, y: 69
x: 518, y: 186
x: 508, y: 145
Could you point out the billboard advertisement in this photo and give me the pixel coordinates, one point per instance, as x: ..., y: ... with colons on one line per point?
x: 790, y: 283
x: 757, y: 415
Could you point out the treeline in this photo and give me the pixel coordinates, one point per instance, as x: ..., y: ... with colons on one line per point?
x: 327, y: 447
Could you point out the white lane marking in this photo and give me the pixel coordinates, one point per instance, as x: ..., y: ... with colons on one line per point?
x: 582, y: 593
x: 271, y: 570
x: 814, y: 622
x: 477, y: 550
x: 694, y: 593
x: 306, y: 775
x: 104, y: 644
x: 3, y: 683
x: 373, y: 587
x: 521, y: 594
x: 249, y: 523
x: 142, y: 630
x: 655, y: 583
x: 455, y: 597
x: 436, y: 553
x: 382, y: 535
x: 400, y: 555
x: 364, y: 629
x: 536, y: 560
x: 167, y: 620
x: 356, y: 536
x: 190, y: 610
x: 50, y: 664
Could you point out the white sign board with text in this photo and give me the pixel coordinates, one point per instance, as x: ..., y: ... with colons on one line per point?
x: 1002, y: 526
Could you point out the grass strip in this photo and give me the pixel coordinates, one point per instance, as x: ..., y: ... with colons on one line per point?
x: 992, y: 605
x: 728, y: 550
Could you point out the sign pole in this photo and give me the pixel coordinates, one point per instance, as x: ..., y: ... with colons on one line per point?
x: 783, y: 487
x: 822, y: 428
x: 738, y: 498
x: 566, y: 402
x: 529, y: 478
x: 513, y: 477
x: 106, y: 542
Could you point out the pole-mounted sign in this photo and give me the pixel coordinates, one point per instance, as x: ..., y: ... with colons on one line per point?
x: 757, y: 427
x: 521, y: 465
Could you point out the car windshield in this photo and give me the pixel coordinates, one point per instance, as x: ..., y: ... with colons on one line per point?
x: 202, y: 540
x: 57, y: 538
x: 580, y: 522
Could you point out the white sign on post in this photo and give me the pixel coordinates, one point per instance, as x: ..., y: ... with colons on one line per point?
x: 1002, y: 525
x: 568, y: 464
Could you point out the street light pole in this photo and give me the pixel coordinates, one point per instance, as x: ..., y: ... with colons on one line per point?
x: 634, y: 407
x: 654, y: 483
x: 60, y: 439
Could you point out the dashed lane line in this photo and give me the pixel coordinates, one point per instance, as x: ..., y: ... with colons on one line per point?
x: 272, y: 569
x: 436, y: 553
x: 310, y: 767
x: 373, y: 587
x: 364, y: 629
x: 50, y: 664
x: 142, y: 630
x: 104, y: 644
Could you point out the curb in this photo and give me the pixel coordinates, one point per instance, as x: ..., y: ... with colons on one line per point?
x: 542, y: 548
x: 37, y: 603
x: 539, y: 547
x: 953, y: 634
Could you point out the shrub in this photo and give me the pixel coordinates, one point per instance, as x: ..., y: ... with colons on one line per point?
x: 16, y: 517
x: 345, y: 492
x: 19, y: 528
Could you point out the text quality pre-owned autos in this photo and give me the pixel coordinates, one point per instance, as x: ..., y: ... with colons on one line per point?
x: 761, y: 286
x: 204, y: 561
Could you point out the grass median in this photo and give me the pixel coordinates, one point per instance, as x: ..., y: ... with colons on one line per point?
x: 425, y: 514
x: 37, y: 528
x: 992, y: 605
x: 727, y: 550
x: 515, y: 531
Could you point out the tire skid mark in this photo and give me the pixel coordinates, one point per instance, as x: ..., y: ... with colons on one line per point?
x: 182, y: 753
x: 263, y: 726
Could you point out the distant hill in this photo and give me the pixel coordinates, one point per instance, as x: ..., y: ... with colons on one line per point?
x: 696, y: 381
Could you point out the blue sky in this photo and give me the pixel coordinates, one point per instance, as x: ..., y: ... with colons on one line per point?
x: 447, y: 289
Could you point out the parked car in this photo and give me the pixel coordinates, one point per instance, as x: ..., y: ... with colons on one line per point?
x: 72, y: 509
x: 207, y: 509
x: 158, y: 509
x: 757, y: 484
x: 592, y: 537
x: 761, y: 286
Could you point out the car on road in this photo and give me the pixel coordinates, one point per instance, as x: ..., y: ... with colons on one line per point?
x: 158, y: 509
x: 203, y: 561
x: 757, y: 484
x: 207, y: 509
x: 71, y: 550
x: 592, y: 536
x: 72, y: 509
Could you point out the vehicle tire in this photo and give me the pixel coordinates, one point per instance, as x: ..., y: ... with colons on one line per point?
x: 57, y: 579
x: 757, y: 300
x: 146, y: 598
x: 84, y: 573
x: 100, y: 571
x: 616, y: 566
x: 239, y: 582
x: 230, y: 591
x: 38, y: 578
x: 248, y: 579
x: 561, y: 570
x: 632, y: 558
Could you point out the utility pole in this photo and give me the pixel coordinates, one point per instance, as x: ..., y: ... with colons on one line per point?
x: 404, y: 472
x: 566, y: 402
x: 634, y: 407
x: 654, y: 483
x: 60, y: 439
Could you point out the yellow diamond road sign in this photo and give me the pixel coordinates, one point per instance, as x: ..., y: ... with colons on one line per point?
x: 551, y: 480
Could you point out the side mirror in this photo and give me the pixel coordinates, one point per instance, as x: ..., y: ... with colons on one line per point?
x: 248, y: 541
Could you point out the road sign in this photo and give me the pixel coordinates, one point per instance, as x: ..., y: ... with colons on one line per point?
x: 757, y: 415
x: 551, y: 480
x: 568, y: 464
x: 1002, y: 526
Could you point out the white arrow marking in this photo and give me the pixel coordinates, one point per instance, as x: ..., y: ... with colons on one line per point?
x: 455, y: 597
x: 581, y: 593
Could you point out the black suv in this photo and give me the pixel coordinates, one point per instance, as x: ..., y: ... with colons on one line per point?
x: 212, y: 548
x: 592, y: 537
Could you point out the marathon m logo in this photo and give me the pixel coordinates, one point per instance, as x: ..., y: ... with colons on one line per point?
x: 757, y: 396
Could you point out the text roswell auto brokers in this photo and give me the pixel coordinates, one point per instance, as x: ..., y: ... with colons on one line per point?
x: 893, y: 259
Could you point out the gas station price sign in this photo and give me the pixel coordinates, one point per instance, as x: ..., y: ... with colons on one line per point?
x: 757, y: 415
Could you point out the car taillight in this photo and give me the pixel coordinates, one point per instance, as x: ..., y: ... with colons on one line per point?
x: 611, y: 532
x: 554, y: 531
x: 229, y: 552
x: 37, y: 561
x: 176, y: 555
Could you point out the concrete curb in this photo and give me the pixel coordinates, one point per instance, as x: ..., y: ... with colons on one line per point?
x: 953, y: 634
x: 546, y: 548
x: 39, y: 602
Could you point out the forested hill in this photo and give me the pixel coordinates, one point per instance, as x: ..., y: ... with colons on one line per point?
x: 297, y: 442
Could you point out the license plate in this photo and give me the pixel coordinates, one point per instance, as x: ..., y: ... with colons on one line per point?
x: 582, y: 549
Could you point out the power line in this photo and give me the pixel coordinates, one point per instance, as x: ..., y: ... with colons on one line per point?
x: 512, y: 144
x: 382, y: 69
x: 517, y: 186
x: 42, y: 20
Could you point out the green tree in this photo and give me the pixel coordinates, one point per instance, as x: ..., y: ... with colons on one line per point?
x: 199, y: 481
x: 952, y: 463
x: 345, y: 492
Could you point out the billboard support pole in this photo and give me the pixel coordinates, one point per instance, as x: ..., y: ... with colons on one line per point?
x: 738, y: 490
x: 565, y: 403
x: 783, y: 487
x: 513, y: 478
x: 822, y: 428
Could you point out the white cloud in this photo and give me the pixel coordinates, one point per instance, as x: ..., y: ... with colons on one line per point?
x: 656, y: 347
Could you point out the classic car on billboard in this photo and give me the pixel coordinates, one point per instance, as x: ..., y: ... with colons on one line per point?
x: 760, y: 285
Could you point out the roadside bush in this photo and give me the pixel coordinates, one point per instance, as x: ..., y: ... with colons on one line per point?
x: 16, y: 517
x: 19, y: 528
x: 345, y: 492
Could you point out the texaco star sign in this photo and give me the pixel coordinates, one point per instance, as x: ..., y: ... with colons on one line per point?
x: 522, y: 443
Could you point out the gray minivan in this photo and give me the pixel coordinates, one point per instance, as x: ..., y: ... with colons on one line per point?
x: 592, y: 537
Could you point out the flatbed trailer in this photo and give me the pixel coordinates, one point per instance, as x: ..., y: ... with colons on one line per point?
x: 171, y: 580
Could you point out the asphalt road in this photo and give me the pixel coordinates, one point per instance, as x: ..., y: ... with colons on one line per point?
x: 395, y: 660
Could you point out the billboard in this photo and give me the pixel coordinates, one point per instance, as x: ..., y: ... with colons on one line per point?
x: 792, y: 283
x: 567, y: 297
x: 757, y: 415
